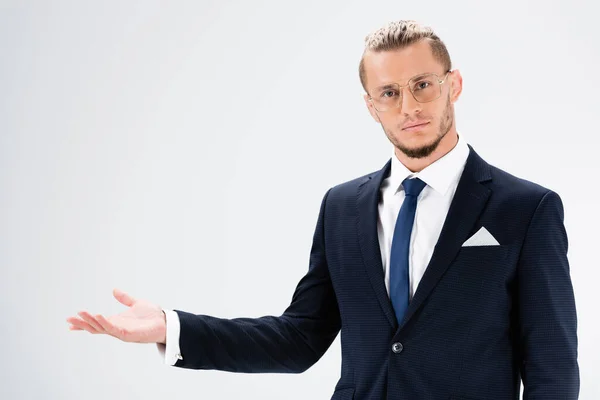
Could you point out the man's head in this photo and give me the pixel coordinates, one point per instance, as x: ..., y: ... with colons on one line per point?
x: 396, y: 72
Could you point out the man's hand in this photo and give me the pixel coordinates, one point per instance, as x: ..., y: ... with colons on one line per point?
x: 142, y: 322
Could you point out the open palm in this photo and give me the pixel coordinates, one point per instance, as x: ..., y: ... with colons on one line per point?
x: 141, y: 322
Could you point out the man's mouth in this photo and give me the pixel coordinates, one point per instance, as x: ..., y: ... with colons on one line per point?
x: 416, y: 127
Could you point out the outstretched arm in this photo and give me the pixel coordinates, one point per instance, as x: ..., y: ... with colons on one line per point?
x: 291, y: 342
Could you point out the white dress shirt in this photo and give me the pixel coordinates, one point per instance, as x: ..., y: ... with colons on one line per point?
x: 433, y: 203
x: 170, y: 351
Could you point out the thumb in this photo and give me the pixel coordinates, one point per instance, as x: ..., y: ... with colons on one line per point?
x: 123, y: 297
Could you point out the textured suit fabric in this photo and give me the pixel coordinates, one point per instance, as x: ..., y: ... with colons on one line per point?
x: 481, y: 318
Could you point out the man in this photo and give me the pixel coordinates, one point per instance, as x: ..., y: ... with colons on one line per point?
x: 447, y: 276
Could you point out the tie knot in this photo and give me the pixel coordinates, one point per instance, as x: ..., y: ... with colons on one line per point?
x: 412, y: 187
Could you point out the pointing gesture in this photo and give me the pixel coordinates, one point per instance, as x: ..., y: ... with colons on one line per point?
x: 141, y: 322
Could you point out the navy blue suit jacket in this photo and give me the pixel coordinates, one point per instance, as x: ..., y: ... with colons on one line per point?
x: 481, y: 319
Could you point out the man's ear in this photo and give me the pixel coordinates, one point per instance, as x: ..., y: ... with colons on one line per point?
x: 456, y: 89
x: 371, y: 109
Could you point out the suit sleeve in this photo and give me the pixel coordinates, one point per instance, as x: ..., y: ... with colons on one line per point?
x: 546, y: 305
x: 288, y: 343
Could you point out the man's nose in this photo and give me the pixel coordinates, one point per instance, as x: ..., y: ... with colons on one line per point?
x: 409, y: 105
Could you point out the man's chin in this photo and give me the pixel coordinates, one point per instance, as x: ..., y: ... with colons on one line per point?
x: 419, y: 151
x: 416, y: 153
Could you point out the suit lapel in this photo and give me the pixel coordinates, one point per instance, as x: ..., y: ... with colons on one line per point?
x: 466, y: 206
x: 367, y: 203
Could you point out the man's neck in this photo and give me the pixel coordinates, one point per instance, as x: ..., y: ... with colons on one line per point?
x: 418, y: 164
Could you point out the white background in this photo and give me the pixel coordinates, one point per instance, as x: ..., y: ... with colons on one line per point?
x: 180, y: 150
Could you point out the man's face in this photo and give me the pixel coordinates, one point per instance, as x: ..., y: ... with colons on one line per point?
x: 398, y: 66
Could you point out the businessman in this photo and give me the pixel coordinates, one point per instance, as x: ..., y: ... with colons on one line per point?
x: 447, y: 277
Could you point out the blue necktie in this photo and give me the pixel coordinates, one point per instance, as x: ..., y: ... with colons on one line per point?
x: 399, y: 278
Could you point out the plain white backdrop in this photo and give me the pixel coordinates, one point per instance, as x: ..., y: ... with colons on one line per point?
x: 180, y: 150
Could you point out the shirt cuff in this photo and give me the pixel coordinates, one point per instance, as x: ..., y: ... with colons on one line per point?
x: 171, y: 352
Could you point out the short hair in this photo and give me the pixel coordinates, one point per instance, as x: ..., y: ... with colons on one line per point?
x: 397, y: 35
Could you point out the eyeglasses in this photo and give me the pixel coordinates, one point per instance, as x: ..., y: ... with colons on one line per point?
x: 424, y: 88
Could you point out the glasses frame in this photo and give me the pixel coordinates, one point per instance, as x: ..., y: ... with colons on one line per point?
x: 401, y: 91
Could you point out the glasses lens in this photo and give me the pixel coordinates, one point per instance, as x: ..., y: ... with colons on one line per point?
x: 426, y: 88
x: 387, y: 97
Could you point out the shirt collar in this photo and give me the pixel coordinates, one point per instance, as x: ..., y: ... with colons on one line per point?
x: 440, y: 174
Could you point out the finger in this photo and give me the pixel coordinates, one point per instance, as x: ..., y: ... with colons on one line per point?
x: 82, y: 325
x: 71, y: 326
x: 110, y: 328
x: 91, y: 320
x: 123, y: 298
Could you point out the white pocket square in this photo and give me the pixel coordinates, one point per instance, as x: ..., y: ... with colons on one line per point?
x: 481, y: 238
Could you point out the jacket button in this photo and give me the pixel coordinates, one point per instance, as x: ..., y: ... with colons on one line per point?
x: 397, y: 347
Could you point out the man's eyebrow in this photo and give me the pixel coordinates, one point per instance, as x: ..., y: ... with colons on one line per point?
x: 388, y: 86
x: 395, y: 85
x: 421, y: 75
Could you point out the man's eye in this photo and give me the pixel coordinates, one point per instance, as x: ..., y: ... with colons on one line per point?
x: 422, y: 85
x: 389, y: 93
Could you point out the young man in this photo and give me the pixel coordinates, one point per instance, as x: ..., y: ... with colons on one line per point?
x: 447, y: 276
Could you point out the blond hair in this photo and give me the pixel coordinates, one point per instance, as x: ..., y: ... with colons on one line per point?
x: 397, y: 35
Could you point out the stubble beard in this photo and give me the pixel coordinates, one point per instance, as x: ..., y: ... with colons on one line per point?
x: 426, y: 150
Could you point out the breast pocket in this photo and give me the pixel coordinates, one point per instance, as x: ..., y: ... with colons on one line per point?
x: 481, y: 263
x: 473, y: 273
x: 481, y: 254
